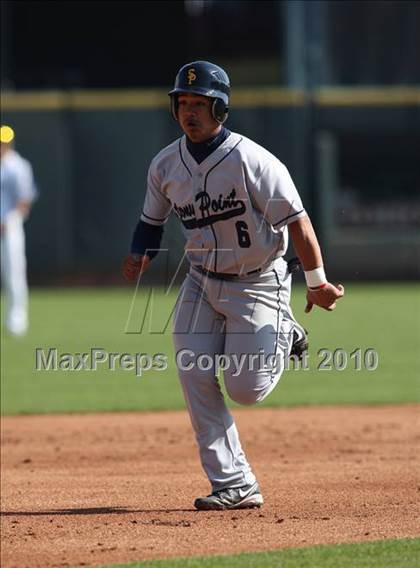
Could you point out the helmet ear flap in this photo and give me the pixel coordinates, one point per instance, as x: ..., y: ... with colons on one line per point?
x: 219, y: 111
x: 174, y: 106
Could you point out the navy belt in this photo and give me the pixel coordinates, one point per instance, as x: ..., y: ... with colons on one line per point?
x: 224, y: 275
x: 293, y: 265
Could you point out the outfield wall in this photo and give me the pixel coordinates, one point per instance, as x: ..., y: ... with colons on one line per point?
x: 91, y: 150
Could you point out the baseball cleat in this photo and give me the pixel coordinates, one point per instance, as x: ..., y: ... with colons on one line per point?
x: 300, y: 342
x: 246, y: 497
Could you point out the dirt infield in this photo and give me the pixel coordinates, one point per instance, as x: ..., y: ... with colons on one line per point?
x: 96, y: 489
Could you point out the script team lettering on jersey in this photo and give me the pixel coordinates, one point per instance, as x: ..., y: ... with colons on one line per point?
x: 223, y: 208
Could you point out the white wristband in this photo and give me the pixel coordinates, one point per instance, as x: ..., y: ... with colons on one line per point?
x: 316, y: 277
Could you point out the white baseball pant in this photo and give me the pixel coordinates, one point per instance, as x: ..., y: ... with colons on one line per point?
x: 248, y: 320
x: 13, y: 272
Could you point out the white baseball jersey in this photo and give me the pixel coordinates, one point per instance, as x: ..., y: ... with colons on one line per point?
x: 234, y: 207
x: 17, y: 182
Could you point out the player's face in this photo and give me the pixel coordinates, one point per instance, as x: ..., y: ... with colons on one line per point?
x: 195, y: 117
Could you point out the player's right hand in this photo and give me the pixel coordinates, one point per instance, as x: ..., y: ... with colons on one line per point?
x: 324, y: 297
x: 134, y: 265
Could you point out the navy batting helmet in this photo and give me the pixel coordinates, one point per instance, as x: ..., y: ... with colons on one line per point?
x: 203, y: 78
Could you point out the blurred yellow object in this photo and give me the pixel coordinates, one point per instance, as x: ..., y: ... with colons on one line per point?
x: 6, y: 134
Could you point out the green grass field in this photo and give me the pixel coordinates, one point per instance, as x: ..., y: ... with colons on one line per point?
x: 383, y: 317
x: 404, y: 553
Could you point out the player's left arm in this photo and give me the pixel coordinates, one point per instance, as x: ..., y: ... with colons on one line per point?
x: 276, y: 196
x: 320, y: 292
x: 26, y: 191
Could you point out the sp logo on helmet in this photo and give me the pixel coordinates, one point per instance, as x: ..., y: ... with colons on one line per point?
x: 191, y: 76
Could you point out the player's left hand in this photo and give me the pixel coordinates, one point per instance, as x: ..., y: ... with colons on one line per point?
x: 325, y: 297
x: 24, y: 207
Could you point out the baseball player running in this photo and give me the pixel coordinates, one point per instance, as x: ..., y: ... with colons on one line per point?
x: 237, y: 204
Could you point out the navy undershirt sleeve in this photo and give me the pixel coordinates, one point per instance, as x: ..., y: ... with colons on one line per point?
x: 146, y: 237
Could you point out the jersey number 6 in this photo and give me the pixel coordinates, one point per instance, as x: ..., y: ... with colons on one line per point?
x: 243, y: 235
